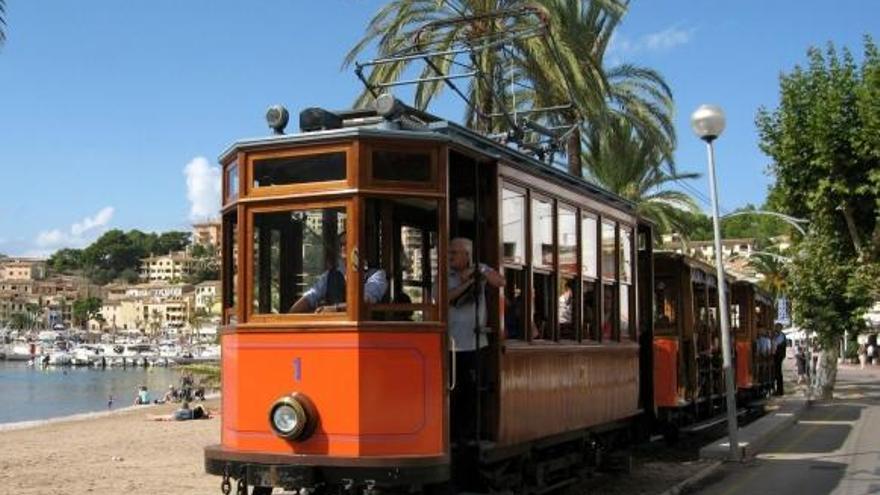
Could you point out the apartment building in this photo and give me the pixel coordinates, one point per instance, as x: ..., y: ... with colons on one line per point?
x: 22, y: 269
x: 169, y: 267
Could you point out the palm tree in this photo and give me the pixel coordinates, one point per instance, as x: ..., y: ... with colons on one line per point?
x: 410, y: 26
x: 621, y: 160
x: 2, y: 22
x: 574, y: 64
x: 774, y: 271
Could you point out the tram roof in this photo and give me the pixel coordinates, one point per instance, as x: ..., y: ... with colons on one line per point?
x: 439, y: 130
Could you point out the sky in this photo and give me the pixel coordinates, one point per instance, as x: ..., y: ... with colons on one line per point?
x: 113, y: 114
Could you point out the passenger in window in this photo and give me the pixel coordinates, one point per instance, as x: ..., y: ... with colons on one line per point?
x: 566, y: 303
x: 464, y: 305
x: 327, y: 294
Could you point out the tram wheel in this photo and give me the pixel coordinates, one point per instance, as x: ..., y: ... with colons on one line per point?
x: 262, y: 490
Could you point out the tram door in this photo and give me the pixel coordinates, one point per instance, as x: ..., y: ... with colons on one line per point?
x: 473, y: 214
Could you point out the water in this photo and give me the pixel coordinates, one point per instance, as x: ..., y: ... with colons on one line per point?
x: 28, y: 393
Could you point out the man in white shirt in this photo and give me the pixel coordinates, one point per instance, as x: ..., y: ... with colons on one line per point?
x: 464, y: 305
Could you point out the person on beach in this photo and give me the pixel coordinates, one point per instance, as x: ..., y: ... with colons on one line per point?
x: 183, y: 414
x: 143, y: 396
x: 110, y: 402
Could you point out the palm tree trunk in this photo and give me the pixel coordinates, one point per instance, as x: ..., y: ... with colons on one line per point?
x: 573, y: 150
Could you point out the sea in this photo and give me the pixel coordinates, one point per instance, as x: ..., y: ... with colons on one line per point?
x: 30, y: 393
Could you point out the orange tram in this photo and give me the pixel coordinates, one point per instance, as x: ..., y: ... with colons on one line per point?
x: 339, y: 372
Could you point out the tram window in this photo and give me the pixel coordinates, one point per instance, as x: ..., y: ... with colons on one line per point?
x: 567, y: 308
x: 542, y: 234
x: 625, y: 255
x: 665, y: 317
x: 230, y: 265
x: 401, y: 166
x: 232, y: 182
x: 514, y: 304
x: 299, y: 261
x: 567, y: 239
x: 589, y: 258
x: 735, y: 322
x: 609, y: 315
x: 609, y: 257
x: 299, y: 169
x: 513, y: 211
x: 542, y: 307
x: 625, y: 326
x: 591, y: 325
x: 402, y: 246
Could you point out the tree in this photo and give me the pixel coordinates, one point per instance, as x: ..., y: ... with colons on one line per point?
x: 66, y: 260
x: 823, y: 140
x: 566, y: 67
x: 2, y: 22
x: 85, y: 309
x: 573, y: 66
x: 620, y: 160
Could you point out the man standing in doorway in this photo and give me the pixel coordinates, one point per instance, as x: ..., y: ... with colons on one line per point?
x: 466, y: 302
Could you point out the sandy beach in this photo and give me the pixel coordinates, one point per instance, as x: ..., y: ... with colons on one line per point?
x: 121, y: 452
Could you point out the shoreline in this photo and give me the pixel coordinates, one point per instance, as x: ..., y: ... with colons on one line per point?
x: 72, y: 418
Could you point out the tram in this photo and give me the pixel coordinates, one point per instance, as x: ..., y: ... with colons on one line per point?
x: 752, y: 317
x: 339, y: 373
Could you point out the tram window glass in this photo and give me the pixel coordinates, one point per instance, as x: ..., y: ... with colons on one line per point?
x: 609, y: 256
x: 589, y: 258
x: 542, y: 234
x: 542, y: 306
x: 567, y: 308
x: 401, y: 166
x: 591, y: 326
x: 402, y: 249
x: 513, y: 210
x: 735, y: 323
x: 665, y: 317
x: 230, y: 265
x: 515, y: 304
x: 625, y: 327
x: 284, y: 170
x: 299, y: 261
x: 609, y: 315
x: 232, y: 182
x: 625, y: 255
x: 567, y: 239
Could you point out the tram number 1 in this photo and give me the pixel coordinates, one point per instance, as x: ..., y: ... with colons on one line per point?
x: 297, y: 369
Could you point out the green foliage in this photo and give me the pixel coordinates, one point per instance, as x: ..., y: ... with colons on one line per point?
x: 85, y: 309
x: 620, y: 160
x: 823, y: 140
x: 117, y: 254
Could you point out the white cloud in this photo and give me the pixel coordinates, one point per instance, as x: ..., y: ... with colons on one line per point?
x: 79, y: 234
x: 94, y: 222
x: 660, y: 41
x: 667, y: 39
x: 202, y: 188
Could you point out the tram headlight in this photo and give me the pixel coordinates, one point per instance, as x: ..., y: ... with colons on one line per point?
x: 292, y: 417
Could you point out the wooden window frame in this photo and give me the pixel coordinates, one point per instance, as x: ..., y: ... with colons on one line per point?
x: 525, y: 223
x: 432, y: 311
x: 352, y: 291
x: 251, y: 191
x: 564, y: 275
x: 366, y: 149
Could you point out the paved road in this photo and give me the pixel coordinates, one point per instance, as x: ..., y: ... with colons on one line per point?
x: 833, y: 449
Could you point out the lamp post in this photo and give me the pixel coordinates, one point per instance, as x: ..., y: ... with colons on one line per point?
x: 708, y: 123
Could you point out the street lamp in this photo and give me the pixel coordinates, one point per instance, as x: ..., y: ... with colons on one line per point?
x: 708, y: 123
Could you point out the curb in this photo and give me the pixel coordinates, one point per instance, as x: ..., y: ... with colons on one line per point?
x: 702, y: 474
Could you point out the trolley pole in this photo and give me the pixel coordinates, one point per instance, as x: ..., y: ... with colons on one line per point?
x: 708, y: 123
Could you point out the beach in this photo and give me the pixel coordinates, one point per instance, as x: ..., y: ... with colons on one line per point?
x: 110, y: 453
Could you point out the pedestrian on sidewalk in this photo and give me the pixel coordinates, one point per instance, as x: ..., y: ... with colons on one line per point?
x: 872, y: 354
x: 863, y: 355
x: 800, y: 357
x: 779, y: 343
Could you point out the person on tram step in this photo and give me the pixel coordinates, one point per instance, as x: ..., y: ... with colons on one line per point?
x: 462, y: 312
x: 779, y: 344
x: 327, y: 294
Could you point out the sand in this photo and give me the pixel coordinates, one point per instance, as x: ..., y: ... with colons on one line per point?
x: 119, y: 453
